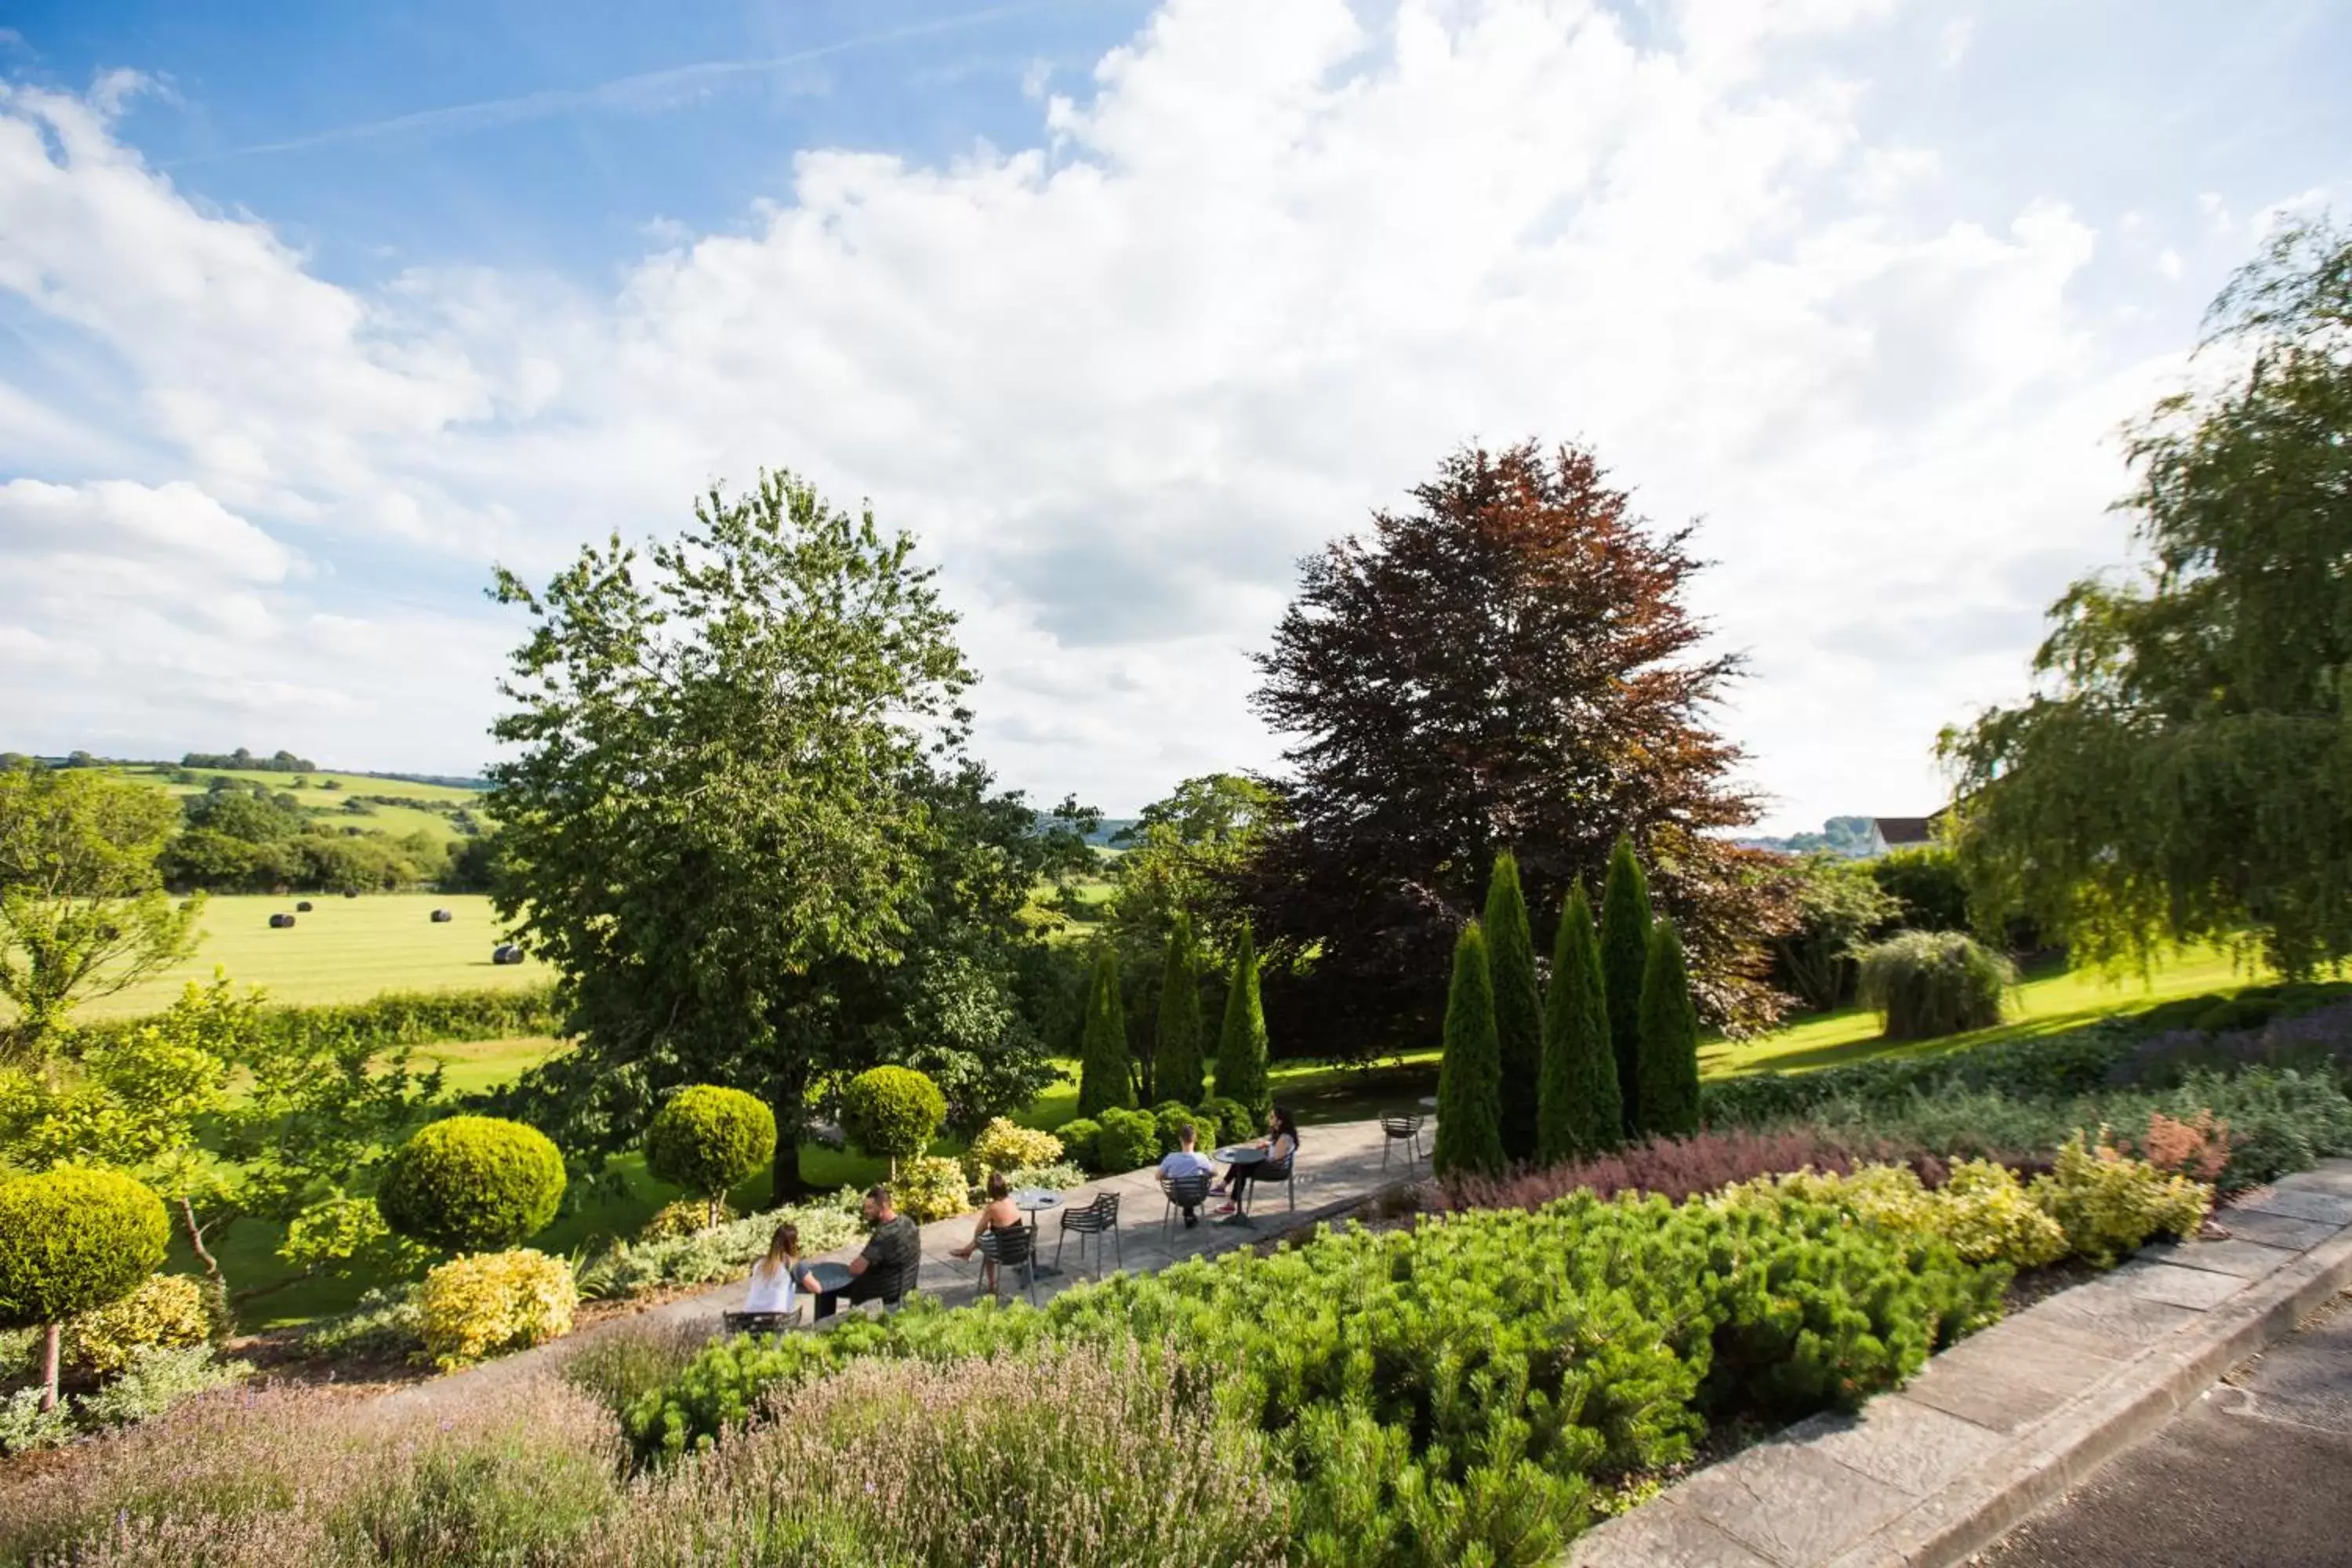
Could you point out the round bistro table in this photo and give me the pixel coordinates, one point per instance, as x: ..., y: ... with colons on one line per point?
x: 1032, y: 1201
x: 1240, y: 1155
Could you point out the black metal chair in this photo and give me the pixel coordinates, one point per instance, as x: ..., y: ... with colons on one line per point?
x: 1404, y: 1129
x: 1267, y: 1172
x: 1097, y: 1218
x: 760, y: 1322
x: 1183, y: 1192
x: 1011, y: 1246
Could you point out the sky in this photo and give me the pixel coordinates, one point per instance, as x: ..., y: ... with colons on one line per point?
x: 310, y: 315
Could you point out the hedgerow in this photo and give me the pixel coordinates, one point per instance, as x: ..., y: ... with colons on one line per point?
x: 392, y: 1018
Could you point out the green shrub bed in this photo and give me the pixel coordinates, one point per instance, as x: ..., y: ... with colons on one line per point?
x: 395, y: 1018
x: 1455, y: 1389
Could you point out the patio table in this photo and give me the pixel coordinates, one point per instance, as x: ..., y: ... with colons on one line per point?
x: 1033, y: 1201
x: 1240, y: 1155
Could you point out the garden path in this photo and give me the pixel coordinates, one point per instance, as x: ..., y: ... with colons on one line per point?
x: 1340, y: 1165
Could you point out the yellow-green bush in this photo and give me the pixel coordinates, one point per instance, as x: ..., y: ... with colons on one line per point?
x: 1003, y: 1145
x: 686, y: 1217
x: 493, y: 1302
x: 166, y: 1312
x: 2108, y: 1204
x: 1982, y: 1210
x: 930, y: 1188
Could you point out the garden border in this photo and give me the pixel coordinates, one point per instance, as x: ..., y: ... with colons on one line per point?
x: 2012, y: 1417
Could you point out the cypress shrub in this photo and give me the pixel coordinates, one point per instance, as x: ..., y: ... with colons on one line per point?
x: 1923, y: 984
x: 1669, y: 1071
x: 1240, y: 1043
x: 1625, y: 954
x: 1519, y: 1007
x: 707, y: 1139
x: 1579, y: 1112
x: 1105, y: 1080
x: 1469, y: 1075
x: 472, y: 1184
x: 1176, y: 1048
x: 892, y: 1111
x: 73, y: 1241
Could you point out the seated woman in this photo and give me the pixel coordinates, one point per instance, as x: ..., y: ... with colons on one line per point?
x: 773, y: 1289
x: 1280, y: 1143
x: 998, y: 1211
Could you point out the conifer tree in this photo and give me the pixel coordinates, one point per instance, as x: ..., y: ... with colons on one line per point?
x: 1176, y: 1051
x: 1669, y: 1040
x: 1518, y: 1006
x: 1625, y: 954
x: 1240, y: 1043
x: 1579, y: 1111
x: 1469, y: 1077
x: 1105, y: 1080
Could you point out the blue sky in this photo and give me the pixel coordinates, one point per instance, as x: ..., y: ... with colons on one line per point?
x: 308, y: 313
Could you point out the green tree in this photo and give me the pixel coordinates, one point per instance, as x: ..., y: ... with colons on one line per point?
x: 1105, y: 1072
x: 1624, y: 955
x: 71, y: 1241
x: 1518, y: 1006
x: 82, y: 908
x: 1241, y: 1041
x: 892, y: 1111
x: 1176, y: 1044
x: 2185, y: 773
x: 1469, y: 1075
x: 717, y: 788
x: 1579, y: 1111
x: 1669, y: 1076
x: 708, y: 1138
x: 1839, y: 906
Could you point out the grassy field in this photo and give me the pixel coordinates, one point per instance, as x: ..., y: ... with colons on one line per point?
x: 2044, y: 1004
x: 327, y: 806
x: 344, y: 949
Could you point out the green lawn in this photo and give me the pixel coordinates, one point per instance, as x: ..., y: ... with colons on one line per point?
x: 2044, y: 1004
x: 344, y: 949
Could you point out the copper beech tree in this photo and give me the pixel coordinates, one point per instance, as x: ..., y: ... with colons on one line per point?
x: 1506, y: 663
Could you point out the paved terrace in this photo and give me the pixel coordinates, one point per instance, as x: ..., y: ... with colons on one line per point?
x: 1340, y: 1165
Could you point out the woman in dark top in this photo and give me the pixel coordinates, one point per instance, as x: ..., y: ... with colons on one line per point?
x: 1280, y: 1143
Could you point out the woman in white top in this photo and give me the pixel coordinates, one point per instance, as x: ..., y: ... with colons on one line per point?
x: 773, y: 1289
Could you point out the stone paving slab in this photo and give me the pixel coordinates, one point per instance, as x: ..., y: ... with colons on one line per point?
x: 1340, y: 1165
x: 2011, y: 1418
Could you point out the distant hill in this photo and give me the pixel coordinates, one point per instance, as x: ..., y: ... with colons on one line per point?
x: 1848, y: 836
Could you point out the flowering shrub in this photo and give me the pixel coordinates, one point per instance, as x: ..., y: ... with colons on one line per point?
x: 156, y: 1379
x: 1673, y: 1168
x: 1003, y: 1145
x: 1057, y: 1178
x: 167, y: 1311
x: 25, y: 1426
x: 492, y: 1302
x: 386, y: 1325
x: 929, y: 1188
x: 2197, y: 1148
x: 2108, y: 1203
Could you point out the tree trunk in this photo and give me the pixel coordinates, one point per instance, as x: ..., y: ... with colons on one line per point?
x: 49, y: 1366
x: 789, y: 1100
x: 216, y: 1284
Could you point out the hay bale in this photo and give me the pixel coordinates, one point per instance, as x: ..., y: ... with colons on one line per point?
x: 279, y: 922
x: 506, y: 952
x: 303, y: 908
x: 353, y: 893
x: 442, y: 917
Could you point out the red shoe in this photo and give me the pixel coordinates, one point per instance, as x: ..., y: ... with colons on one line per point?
x: 1229, y: 1208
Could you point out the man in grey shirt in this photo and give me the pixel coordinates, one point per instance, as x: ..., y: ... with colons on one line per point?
x: 1187, y: 1161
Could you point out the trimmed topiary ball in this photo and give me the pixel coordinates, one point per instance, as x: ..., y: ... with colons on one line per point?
x: 73, y: 1241
x: 472, y: 1184
x: 707, y: 1139
x: 892, y: 1111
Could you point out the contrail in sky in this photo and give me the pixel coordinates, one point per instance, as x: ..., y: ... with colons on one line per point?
x: 647, y: 89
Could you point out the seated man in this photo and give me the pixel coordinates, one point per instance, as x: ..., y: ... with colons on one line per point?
x: 885, y: 1270
x: 1187, y: 1161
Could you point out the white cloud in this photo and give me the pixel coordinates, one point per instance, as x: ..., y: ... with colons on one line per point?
x: 1249, y: 284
